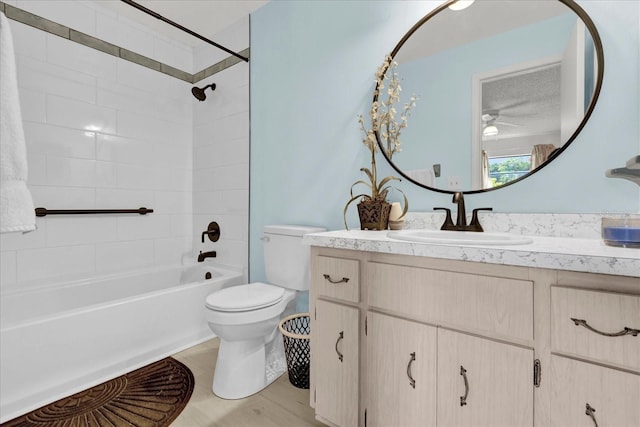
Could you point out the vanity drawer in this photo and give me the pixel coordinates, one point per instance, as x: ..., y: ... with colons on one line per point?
x: 497, y: 305
x: 337, y: 278
x: 597, y: 315
x: 612, y: 395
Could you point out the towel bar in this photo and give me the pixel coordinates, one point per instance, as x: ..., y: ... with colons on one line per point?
x: 45, y: 211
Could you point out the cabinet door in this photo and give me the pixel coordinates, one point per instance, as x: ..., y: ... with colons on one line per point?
x: 335, y: 358
x: 613, y: 396
x: 401, y: 372
x: 483, y: 382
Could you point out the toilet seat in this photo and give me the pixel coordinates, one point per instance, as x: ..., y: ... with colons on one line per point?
x: 241, y: 298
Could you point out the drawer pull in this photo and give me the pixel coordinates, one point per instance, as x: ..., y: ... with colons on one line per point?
x: 340, y: 337
x: 625, y: 331
x: 590, y: 410
x: 343, y: 280
x: 463, y: 399
x: 412, y: 382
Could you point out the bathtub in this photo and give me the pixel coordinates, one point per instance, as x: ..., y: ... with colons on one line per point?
x: 61, y: 339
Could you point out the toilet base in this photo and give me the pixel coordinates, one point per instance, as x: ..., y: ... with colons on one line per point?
x: 244, y: 368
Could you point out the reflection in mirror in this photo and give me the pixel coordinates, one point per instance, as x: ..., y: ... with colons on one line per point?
x: 505, y: 85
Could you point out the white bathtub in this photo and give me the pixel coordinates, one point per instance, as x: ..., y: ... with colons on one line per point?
x: 59, y: 340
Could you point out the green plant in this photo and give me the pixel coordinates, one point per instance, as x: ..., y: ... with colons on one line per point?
x: 385, y: 126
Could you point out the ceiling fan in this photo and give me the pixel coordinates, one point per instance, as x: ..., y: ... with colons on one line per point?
x: 489, y: 121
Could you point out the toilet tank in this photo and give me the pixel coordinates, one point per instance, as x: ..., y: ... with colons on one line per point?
x: 286, y: 259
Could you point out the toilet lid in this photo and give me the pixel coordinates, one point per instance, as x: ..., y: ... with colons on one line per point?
x: 245, y: 297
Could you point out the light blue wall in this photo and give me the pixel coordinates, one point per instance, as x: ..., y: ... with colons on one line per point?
x: 312, y: 73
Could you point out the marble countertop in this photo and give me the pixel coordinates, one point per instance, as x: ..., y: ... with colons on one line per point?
x: 560, y: 253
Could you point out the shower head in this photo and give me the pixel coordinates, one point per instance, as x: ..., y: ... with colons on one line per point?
x: 199, y: 92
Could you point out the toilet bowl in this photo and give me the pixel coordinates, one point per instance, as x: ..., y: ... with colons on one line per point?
x: 246, y: 317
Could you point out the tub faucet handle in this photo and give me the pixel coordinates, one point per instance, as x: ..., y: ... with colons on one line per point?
x: 213, y: 231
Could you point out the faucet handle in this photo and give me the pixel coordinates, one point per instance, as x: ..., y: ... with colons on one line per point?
x: 448, y: 221
x: 475, y: 222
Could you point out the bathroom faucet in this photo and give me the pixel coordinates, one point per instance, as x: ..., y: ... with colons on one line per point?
x: 461, y: 220
x: 204, y: 255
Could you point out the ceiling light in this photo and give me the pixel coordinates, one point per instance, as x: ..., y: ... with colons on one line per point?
x: 490, y: 130
x: 460, y: 4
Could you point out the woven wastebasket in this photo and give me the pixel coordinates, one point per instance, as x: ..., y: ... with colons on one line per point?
x: 295, y: 333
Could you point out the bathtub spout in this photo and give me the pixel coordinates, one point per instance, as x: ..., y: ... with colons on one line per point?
x: 203, y: 255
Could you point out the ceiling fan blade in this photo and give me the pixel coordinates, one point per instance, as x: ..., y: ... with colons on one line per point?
x: 508, y: 124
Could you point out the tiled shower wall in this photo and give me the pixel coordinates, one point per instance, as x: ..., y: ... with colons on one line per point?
x: 221, y: 152
x: 106, y: 133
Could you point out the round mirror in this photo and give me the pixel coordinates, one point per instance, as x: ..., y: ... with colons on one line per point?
x: 503, y: 87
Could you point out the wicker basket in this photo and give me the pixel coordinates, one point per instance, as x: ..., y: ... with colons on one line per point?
x: 295, y: 333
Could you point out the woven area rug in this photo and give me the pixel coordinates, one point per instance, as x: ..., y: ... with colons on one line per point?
x: 152, y: 396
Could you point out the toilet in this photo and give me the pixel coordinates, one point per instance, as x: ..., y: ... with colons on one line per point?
x: 246, y: 317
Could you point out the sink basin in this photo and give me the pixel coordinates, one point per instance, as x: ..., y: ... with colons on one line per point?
x: 443, y: 237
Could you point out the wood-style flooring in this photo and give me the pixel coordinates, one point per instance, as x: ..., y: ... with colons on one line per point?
x: 279, y: 405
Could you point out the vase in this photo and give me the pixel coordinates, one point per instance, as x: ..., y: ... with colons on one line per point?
x: 374, y: 214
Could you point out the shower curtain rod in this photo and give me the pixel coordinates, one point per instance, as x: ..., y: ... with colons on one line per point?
x: 180, y: 27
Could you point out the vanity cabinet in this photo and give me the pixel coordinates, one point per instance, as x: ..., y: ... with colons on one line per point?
x: 336, y: 357
x: 595, y: 366
x: 335, y: 339
x: 483, y: 382
x: 453, y: 343
x: 400, y: 372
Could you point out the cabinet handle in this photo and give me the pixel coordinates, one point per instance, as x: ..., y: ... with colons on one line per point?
x: 625, y: 331
x: 343, y: 280
x: 340, y: 337
x: 590, y: 410
x: 412, y: 382
x: 463, y: 399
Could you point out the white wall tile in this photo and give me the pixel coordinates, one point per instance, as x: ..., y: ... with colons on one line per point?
x: 173, y: 202
x: 138, y: 227
x: 170, y: 251
x: 74, y: 56
x: 135, y: 177
x: 133, y: 99
x: 48, y: 263
x: 18, y: 241
x: 53, y: 197
x: 71, y: 13
x: 124, y: 198
x: 124, y: 150
x: 32, y: 105
x: 81, y: 230
x: 64, y: 171
x: 106, y: 133
x: 171, y: 53
x: 176, y: 154
x: 55, y: 140
x: 39, y: 75
x: 150, y: 128
x: 231, y: 177
x: 80, y: 115
x: 106, y: 176
x: 8, y: 270
x: 37, y: 165
x: 172, y: 179
x: 121, y: 33
x: 28, y: 41
x: 120, y: 256
x: 181, y: 225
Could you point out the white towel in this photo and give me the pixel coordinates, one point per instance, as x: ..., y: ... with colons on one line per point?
x: 16, y: 204
x: 423, y: 176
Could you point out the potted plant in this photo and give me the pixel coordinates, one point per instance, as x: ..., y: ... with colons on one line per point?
x: 373, y: 208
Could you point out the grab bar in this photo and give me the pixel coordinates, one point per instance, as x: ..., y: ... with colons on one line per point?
x: 45, y: 211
